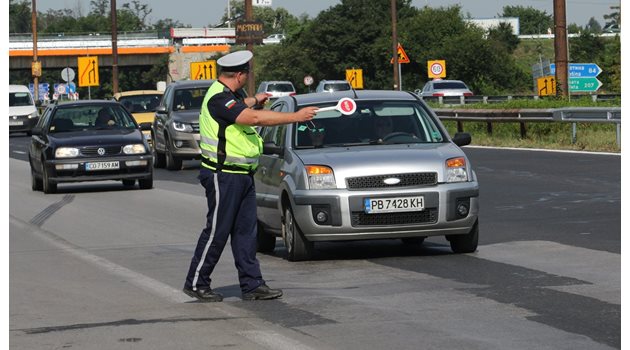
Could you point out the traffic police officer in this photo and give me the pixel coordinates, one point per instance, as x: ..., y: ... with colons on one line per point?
x: 230, y: 149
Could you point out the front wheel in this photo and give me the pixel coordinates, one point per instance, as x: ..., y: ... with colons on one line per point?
x: 172, y: 163
x: 298, y: 248
x: 467, y: 243
x: 36, y: 184
x: 159, y: 161
x: 47, y: 186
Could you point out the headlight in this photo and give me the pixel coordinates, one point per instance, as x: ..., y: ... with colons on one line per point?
x: 183, y: 127
x: 320, y: 177
x: 456, y: 170
x: 33, y: 115
x: 134, y: 149
x: 66, y: 152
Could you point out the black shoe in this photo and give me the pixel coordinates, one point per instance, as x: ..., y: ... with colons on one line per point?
x: 263, y: 292
x: 206, y: 295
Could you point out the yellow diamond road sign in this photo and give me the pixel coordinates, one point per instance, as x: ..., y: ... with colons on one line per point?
x: 88, y: 71
x: 203, y: 70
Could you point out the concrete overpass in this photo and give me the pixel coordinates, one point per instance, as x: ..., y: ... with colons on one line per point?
x: 182, y: 46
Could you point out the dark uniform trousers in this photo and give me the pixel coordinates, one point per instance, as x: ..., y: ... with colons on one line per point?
x: 231, y: 212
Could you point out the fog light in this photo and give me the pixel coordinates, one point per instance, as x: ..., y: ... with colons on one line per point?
x: 462, y: 209
x: 321, y: 217
x: 66, y: 166
x: 179, y: 143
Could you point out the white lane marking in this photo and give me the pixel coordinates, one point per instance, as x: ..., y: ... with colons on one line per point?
x: 602, y: 269
x: 19, y: 152
x: 273, y: 340
x: 545, y: 150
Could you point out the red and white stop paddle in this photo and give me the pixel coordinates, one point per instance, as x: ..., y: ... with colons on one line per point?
x: 345, y: 106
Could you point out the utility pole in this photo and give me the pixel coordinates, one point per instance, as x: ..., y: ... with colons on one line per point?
x: 35, y: 62
x: 250, y: 46
x: 560, y: 45
x: 395, y: 46
x: 114, y: 49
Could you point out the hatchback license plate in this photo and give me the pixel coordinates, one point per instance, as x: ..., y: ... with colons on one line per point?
x: 102, y: 166
x: 393, y: 205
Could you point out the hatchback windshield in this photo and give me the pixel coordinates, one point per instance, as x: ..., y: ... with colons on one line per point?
x: 73, y: 118
x: 280, y: 88
x: 374, y: 122
x: 336, y: 87
x: 449, y: 85
x: 141, y: 103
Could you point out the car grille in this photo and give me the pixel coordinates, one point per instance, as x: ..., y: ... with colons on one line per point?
x: 93, y: 151
x: 411, y: 179
x: 427, y: 216
x: 195, y: 127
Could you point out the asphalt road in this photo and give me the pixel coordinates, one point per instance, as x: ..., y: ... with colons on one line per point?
x: 99, y: 267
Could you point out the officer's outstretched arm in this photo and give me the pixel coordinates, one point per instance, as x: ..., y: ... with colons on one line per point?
x: 264, y: 117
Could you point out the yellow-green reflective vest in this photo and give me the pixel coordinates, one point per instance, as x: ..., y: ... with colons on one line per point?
x: 231, y: 148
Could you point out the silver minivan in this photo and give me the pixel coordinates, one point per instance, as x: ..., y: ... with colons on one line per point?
x: 23, y: 113
x: 389, y: 170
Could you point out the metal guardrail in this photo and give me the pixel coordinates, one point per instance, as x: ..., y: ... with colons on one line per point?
x: 572, y: 115
x: 464, y: 100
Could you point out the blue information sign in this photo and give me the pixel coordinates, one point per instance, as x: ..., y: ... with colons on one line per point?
x: 580, y: 70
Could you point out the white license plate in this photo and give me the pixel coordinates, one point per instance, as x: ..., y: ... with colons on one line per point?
x: 15, y: 122
x: 147, y: 135
x: 393, y: 205
x: 102, y: 166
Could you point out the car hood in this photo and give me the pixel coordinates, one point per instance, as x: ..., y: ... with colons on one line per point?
x: 383, y: 159
x: 191, y: 116
x: 21, y: 110
x: 97, y: 137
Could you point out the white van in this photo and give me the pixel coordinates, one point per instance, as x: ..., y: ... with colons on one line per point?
x: 23, y: 113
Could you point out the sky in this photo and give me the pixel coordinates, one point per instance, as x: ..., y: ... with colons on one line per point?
x: 197, y: 14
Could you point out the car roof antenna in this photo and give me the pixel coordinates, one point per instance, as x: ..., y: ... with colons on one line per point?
x: 352, y: 87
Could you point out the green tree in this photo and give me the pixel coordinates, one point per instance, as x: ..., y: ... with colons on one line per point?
x: 503, y: 34
x: 593, y: 26
x: 19, y: 16
x: 531, y: 20
x: 613, y: 19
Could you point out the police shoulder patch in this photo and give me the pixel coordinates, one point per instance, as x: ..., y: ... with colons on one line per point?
x: 230, y: 104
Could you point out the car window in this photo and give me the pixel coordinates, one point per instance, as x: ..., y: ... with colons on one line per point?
x: 17, y: 99
x: 44, y: 119
x: 450, y: 85
x: 280, y: 87
x: 336, y: 87
x: 87, y: 117
x: 140, y: 103
x: 374, y: 122
x: 166, y: 101
x: 189, y: 99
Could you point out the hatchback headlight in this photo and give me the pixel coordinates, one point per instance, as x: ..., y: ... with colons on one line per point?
x: 320, y: 177
x: 182, y: 127
x: 456, y: 170
x: 66, y: 152
x: 134, y: 149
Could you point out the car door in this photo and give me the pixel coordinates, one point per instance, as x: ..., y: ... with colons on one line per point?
x: 39, y: 142
x: 161, y: 114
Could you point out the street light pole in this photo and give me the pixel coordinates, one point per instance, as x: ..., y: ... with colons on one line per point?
x: 250, y: 46
x: 114, y: 48
x: 34, y: 29
x: 395, y: 46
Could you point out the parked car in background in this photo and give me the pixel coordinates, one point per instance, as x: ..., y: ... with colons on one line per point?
x: 333, y: 85
x: 89, y: 140
x: 23, y: 113
x: 274, y: 39
x: 275, y: 89
x: 389, y: 170
x: 176, y: 125
x: 444, y: 88
x: 142, y: 105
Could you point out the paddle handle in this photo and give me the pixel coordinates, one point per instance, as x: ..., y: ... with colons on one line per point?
x: 326, y: 109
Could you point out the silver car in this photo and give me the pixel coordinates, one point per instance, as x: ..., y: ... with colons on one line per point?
x: 441, y: 87
x: 389, y: 170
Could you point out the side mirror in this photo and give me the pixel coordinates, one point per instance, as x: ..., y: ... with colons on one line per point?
x: 271, y: 148
x: 160, y: 109
x: 146, y: 126
x: 36, y: 130
x: 462, y: 139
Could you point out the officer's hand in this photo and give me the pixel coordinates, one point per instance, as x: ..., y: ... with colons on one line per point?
x: 261, y: 98
x: 306, y: 113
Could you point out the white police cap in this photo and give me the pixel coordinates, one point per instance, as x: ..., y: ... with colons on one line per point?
x: 236, y: 61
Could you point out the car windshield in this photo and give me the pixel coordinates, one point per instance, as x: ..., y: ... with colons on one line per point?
x: 449, y: 85
x: 17, y: 99
x: 336, y: 87
x: 189, y: 98
x: 280, y: 87
x: 141, y: 103
x: 374, y: 122
x: 96, y: 117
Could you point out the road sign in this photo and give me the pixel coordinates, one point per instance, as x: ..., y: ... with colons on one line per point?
x: 67, y: 74
x: 36, y: 69
x: 203, y: 70
x: 266, y: 3
x: 580, y: 70
x: 88, y: 71
x: 60, y: 88
x: 355, y: 77
x: 436, y: 69
x: 308, y: 80
x: 546, y: 85
x: 43, y: 90
x: 584, y: 84
x: 402, y: 55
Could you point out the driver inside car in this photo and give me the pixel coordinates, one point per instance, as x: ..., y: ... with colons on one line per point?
x: 383, y: 126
